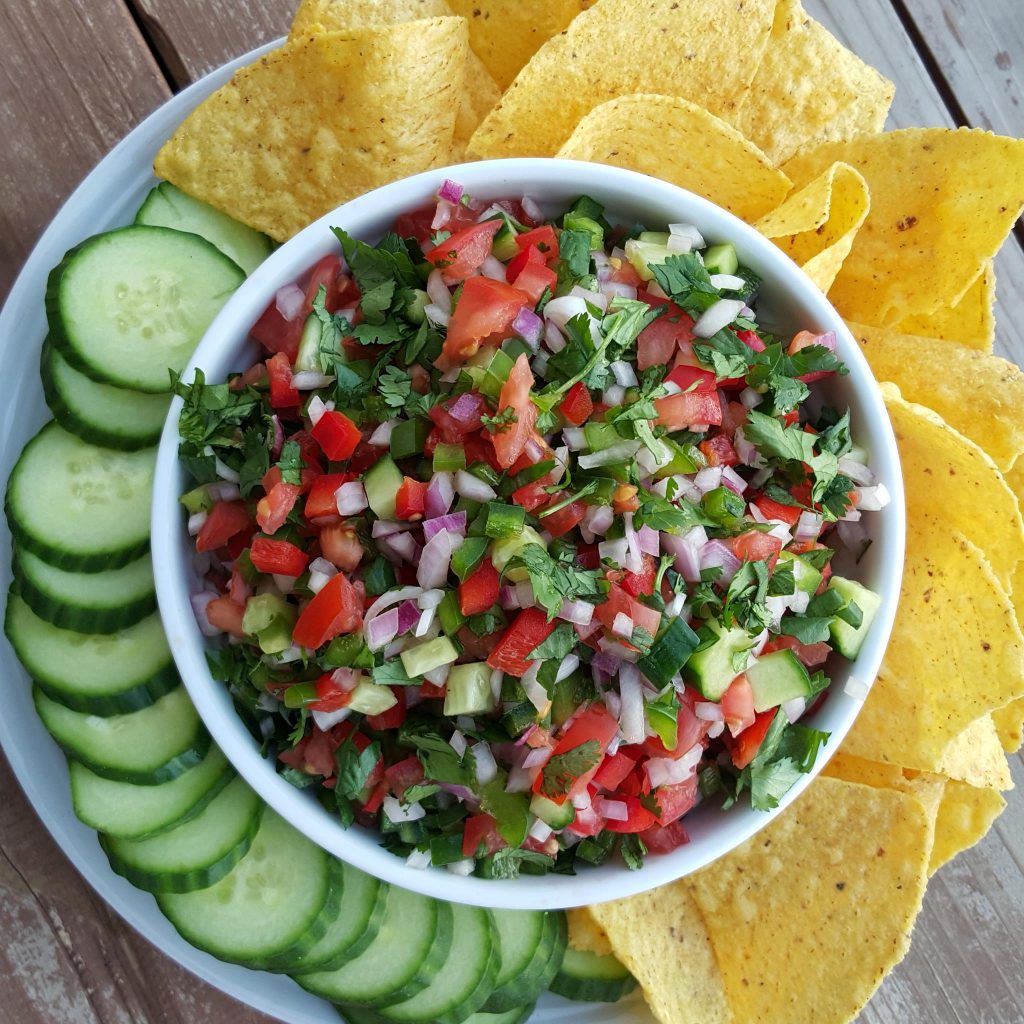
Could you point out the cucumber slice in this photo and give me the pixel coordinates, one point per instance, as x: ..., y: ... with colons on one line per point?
x: 197, y: 852
x: 516, y: 1015
x: 153, y: 745
x: 100, y: 413
x: 414, y: 938
x: 592, y: 978
x: 381, y: 484
x: 127, y: 305
x: 136, y: 812
x: 532, y: 945
x: 711, y: 669
x: 169, y: 207
x: 264, y: 905
x: 80, y: 506
x: 89, y: 602
x: 355, y: 926
x: 97, y: 674
x: 777, y: 677
x: 463, y: 982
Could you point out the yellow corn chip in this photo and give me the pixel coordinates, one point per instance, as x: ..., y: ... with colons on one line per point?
x: 979, y: 395
x: 677, y: 141
x: 817, y: 224
x: 809, y: 89
x: 972, y: 321
x: 507, y: 33
x: 926, y: 786
x: 661, y: 937
x: 1009, y: 723
x: 674, y: 48
x: 480, y: 93
x: 976, y: 757
x: 965, y: 816
x: 942, y: 201
x: 585, y: 933
x: 807, y: 916
x: 289, y: 137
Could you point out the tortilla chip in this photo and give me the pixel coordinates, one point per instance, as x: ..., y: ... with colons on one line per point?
x: 942, y: 201
x: 817, y: 224
x: 480, y: 93
x: 810, y: 89
x: 951, y: 483
x: 1009, y: 723
x: 673, y: 139
x: 661, y: 937
x: 926, y: 786
x: 674, y: 48
x: 979, y: 395
x: 507, y: 33
x: 972, y: 321
x: 976, y: 757
x: 936, y: 680
x: 831, y: 887
x: 585, y: 933
x: 965, y: 816
x: 288, y: 138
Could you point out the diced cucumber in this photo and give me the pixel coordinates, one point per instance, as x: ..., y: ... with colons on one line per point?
x: 846, y: 638
x: 469, y: 690
x: 308, y: 355
x: 532, y: 945
x: 93, y: 673
x: 807, y: 578
x: 169, y: 207
x: 196, y: 853
x: 427, y: 656
x: 79, y: 506
x: 381, y: 483
x: 126, y: 306
x: 370, y: 698
x: 643, y: 255
x: 100, y: 413
x: 668, y: 653
x: 462, y: 983
x: 409, y: 437
x: 556, y: 815
x: 449, y: 613
x: 776, y: 678
x: 412, y: 943
x: 264, y: 905
x: 721, y: 259
x: 592, y: 978
x: 89, y: 602
x: 270, y: 619
x: 503, y: 551
x: 654, y: 237
x: 712, y: 669
x: 504, y: 245
x: 517, y: 1015
x: 134, y: 812
x: 153, y: 745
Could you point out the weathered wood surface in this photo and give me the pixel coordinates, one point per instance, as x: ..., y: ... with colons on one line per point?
x: 73, y: 80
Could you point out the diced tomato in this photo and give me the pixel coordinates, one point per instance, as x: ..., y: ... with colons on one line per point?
x: 393, y: 717
x: 619, y: 602
x: 404, y: 774
x: 577, y: 405
x: 594, y: 724
x: 433, y: 440
x: 479, y: 591
x: 313, y: 754
x: 805, y: 339
x: 638, y: 818
x: 275, y: 333
x: 278, y: 556
x: 626, y: 273
x: 429, y: 691
x: 515, y: 394
x: 744, y: 747
x: 565, y: 519
x: 544, y: 238
x: 772, y: 509
x: 677, y: 412
x: 272, y: 477
x: 309, y: 449
x: 337, y: 435
x: 461, y: 254
x: 664, y: 840
x: 755, y: 546
x: 587, y: 822
x: 416, y: 223
x: 529, y: 628
x: 237, y: 544
x: 516, y: 265
x: 687, y: 377
x: 531, y: 496
x: 642, y: 582
x: 675, y: 800
x: 718, y: 450
x: 321, y: 505
x: 479, y: 450
x: 689, y: 730
x: 733, y: 417
x: 534, y: 280
x: 485, y: 308
x: 274, y: 508
x: 659, y: 341
x: 480, y: 836
x: 339, y: 544
x: 738, y: 705
x: 330, y: 696
x: 587, y: 556
x: 378, y: 792
x: 226, y: 615
x: 335, y: 610
x: 411, y: 499
x: 802, y: 548
x: 282, y: 393
x: 613, y: 769
x: 751, y: 340
x: 223, y: 521
x: 535, y: 450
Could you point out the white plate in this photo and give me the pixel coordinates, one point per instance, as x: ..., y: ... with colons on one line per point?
x: 107, y: 198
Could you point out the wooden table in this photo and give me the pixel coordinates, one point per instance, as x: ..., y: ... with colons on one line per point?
x: 74, y: 78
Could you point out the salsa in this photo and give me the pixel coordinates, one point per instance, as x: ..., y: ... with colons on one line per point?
x: 520, y: 535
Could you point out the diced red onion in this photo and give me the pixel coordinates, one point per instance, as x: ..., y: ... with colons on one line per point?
x: 709, y: 711
x: 732, y: 480
x: 440, y: 495
x: 727, y: 282
x: 466, y: 408
x: 290, y: 301
x: 387, y: 527
x: 540, y: 831
x: 650, y: 542
x: 750, y: 398
x: 386, y: 600
x: 708, y: 479
x: 808, y: 526
x: 442, y: 214
x: 624, y: 373
x: 350, y: 498
x: 561, y: 310
x: 553, y: 338
x: 597, y: 299
x: 613, y: 810
x: 398, y: 813
x: 575, y: 438
x: 418, y: 859
x: 408, y: 616
x: 686, y: 550
x: 225, y: 472
x: 451, y: 191
x: 717, y: 317
x: 492, y: 268
x: 653, y: 288
x: 382, y: 630
x: 435, y: 560
x: 569, y: 664
x: 286, y: 584
x: 275, y: 448
x: 634, y: 557
x: 631, y: 715
x: 675, y: 607
x: 606, y: 662
x: 856, y: 688
x: 854, y: 537
x: 537, y: 758
x: 760, y: 642
x: 327, y: 720
x: 484, y: 765
x: 581, y: 612
x: 381, y: 437
x: 615, y: 453
x: 581, y: 801
x: 317, y: 580
x: 199, y: 604
x: 615, y: 550
x: 508, y: 597
x: 872, y: 499
x: 614, y: 396
x: 746, y: 451
x: 497, y: 677
x: 454, y: 522
x: 716, y: 554
x: 525, y: 594
x: 438, y: 293
x: 473, y: 488
x: 794, y: 709
x: 856, y: 471
x: 540, y: 363
x: 528, y: 326
x: 781, y: 531
x: 531, y: 209
x: 322, y: 565
x: 404, y: 545
x: 458, y: 743
x: 310, y: 380
x: 316, y: 408
x: 670, y: 771
x: 439, y: 317
x: 535, y: 693
x: 520, y: 779
x: 438, y: 676
x: 622, y: 625
x: 616, y: 289
x: 195, y: 522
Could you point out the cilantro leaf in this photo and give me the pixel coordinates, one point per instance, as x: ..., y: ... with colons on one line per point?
x: 562, y: 770
x: 500, y: 421
x: 557, y: 645
x: 686, y: 281
x: 507, y: 863
x: 440, y: 761
x: 633, y: 849
x: 290, y: 463
x: 395, y: 387
x: 353, y: 767
x: 554, y: 581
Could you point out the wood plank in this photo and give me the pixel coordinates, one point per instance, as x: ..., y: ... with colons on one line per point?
x: 73, y: 80
x: 874, y: 31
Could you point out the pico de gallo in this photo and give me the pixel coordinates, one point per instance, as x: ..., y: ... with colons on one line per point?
x: 520, y: 533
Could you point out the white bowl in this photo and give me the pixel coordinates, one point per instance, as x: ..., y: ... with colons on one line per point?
x: 788, y: 301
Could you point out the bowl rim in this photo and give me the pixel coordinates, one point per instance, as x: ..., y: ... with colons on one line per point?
x: 494, y: 179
